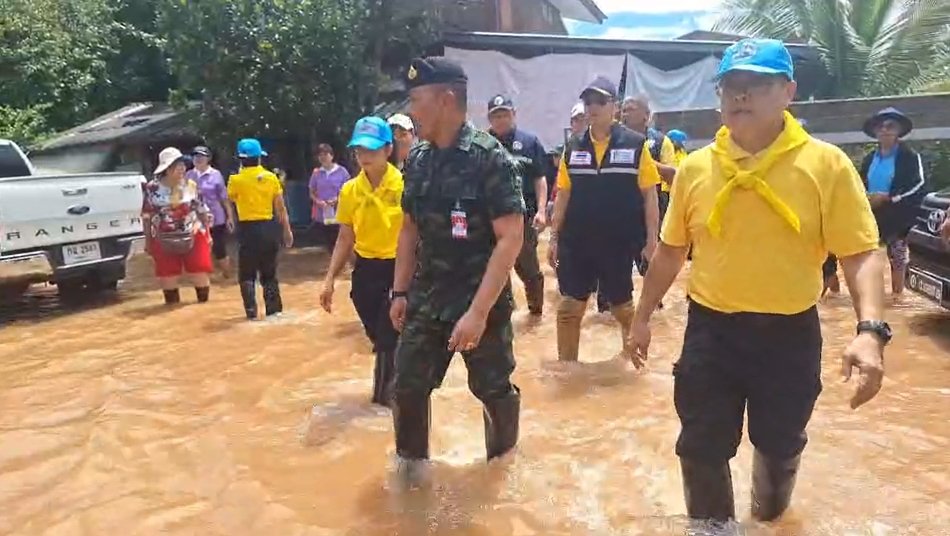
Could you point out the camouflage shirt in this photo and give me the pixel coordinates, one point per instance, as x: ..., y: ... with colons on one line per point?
x: 453, y: 195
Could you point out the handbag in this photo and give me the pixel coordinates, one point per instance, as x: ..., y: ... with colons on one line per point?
x: 177, y: 242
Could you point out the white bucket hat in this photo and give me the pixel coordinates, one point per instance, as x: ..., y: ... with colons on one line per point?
x: 166, y: 158
x: 577, y: 110
x: 402, y: 121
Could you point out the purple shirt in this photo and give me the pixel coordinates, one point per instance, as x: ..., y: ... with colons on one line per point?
x: 327, y: 185
x: 212, y: 191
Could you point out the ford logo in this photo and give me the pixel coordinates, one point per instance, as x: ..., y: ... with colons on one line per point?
x: 78, y: 210
x: 935, y: 220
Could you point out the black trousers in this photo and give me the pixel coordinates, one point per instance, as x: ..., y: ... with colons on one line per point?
x: 371, y: 284
x: 770, y: 363
x: 585, y: 268
x: 259, y: 244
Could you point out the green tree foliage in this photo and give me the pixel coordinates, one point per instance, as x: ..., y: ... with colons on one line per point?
x: 281, y: 69
x: 51, y: 56
x: 868, y: 47
x: 63, y: 62
x: 137, y: 70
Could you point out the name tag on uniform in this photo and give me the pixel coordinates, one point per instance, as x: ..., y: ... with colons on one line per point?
x: 580, y: 158
x: 623, y: 156
x: 459, y: 223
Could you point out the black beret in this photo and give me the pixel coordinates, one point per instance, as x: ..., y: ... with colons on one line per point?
x: 434, y: 70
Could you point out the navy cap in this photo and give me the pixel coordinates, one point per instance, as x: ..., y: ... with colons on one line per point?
x: 603, y: 86
x: 434, y: 70
x: 763, y: 56
x: 201, y: 150
x: 888, y: 113
x: 500, y: 102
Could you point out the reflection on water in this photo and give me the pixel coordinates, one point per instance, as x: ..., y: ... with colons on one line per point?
x: 126, y: 417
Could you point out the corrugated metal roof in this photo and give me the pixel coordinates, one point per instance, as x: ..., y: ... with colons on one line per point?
x: 569, y: 43
x: 134, y: 120
x: 582, y: 10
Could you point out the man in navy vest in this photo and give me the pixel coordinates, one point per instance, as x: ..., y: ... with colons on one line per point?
x: 530, y: 155
x: 605, y: 216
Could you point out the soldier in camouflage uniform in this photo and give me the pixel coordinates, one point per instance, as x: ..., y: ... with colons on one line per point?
x: 464, y: 219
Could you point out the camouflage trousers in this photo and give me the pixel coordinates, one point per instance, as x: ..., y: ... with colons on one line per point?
x: 422, y: 358
x: 527, y: 265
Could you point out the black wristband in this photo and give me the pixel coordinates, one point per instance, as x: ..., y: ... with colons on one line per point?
x: 398, y: 294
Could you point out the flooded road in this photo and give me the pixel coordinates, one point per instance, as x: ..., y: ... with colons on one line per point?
x: 128, y: 418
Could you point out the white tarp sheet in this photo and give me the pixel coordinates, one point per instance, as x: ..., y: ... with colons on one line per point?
x: 543, y: 88
x: 687, y: 88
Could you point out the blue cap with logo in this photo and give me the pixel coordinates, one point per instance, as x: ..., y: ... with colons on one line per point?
x: 763, y: 56
x: 371, y: 133
x: 677, y: 136
x: 250, y: 148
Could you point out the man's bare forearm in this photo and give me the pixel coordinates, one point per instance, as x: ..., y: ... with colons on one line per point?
x: 666, y: 172
x: 651, y: 211
x: 560, y: 208
x: 865, y: 278
x: 406, y: 255
x: 342, y: 251
x: 499, y: 267
x: 541, y: 192
x: 664, y: 267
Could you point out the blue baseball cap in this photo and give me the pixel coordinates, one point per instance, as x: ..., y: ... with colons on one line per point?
x: 371, y: 133
x: 764, y: 56
x: 677, y: 136
x: 250, y: 148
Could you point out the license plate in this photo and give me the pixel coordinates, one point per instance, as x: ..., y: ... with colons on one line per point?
x: 85, y: 252
x: 926, y: 285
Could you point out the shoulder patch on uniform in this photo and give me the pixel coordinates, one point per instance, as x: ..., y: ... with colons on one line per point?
x: 484, y: 139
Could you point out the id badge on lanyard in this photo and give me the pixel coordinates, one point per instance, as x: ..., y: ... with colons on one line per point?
x: 459, y: 222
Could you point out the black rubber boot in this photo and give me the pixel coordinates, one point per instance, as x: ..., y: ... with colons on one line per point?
x: 249, y: 296
x: 501, y: 423
x: 383, y: 373
x: 272, y: 301
x: 172, y: 297
x: 203, y: 294
x: 534, y: 294
x: 411, y: 420
x: 708, y: 491
x: 772, y: 485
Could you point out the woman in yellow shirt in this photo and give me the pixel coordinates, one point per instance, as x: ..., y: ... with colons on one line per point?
x: 370, y: 217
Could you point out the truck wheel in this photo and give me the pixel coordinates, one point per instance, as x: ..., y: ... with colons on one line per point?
x: 71, y: 291
x: 11, y: 294
x: 98, y: 285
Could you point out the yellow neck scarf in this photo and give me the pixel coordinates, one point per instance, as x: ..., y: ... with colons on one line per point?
x: 792, y: 137
x: 368, y: 195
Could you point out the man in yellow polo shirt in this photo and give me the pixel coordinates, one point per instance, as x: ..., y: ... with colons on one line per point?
x: 761, y: 206
x: 605, y: 217
x: 258, y: 196
x: 370, y: 217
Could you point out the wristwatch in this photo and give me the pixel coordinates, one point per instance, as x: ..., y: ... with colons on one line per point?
x: 877, y: 327
x: 398, y: 294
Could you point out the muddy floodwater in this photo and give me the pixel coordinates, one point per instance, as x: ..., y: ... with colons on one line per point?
x: 122, y: 417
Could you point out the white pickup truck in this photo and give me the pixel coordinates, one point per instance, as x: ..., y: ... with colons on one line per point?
x: 76, y: 231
